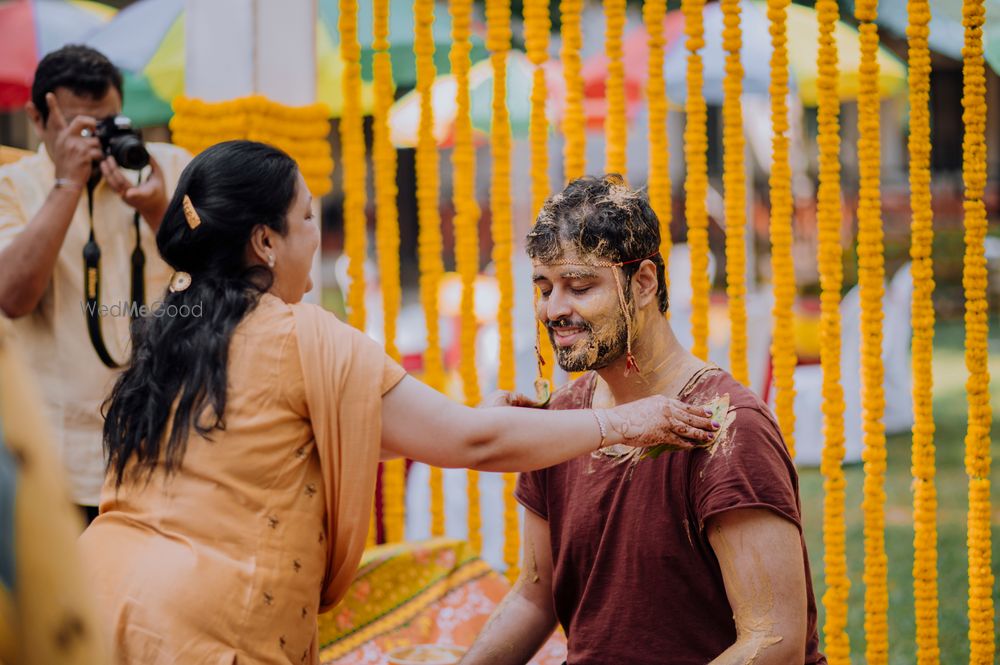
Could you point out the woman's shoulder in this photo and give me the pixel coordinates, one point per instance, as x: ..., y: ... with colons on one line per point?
x: 308, y: 310
x: 268, y: 341
x: 313, y: 320
x: 310, y: 330
x: 270, y: 317
x: 278, y: 323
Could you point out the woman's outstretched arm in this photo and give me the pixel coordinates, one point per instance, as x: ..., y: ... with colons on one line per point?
x: 422, y: 424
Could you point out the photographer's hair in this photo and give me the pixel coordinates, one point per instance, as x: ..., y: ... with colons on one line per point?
x: 83, y: 70
x: 602, y: 218
x: 176, y: 377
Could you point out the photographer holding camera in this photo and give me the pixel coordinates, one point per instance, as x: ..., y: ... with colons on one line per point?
x: 77, y: 240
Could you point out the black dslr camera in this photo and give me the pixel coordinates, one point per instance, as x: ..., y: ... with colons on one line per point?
x: 120, y: 141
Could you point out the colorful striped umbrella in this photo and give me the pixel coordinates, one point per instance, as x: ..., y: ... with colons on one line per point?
x: 635, y: 59
x: 401, y: 24
x: 803, y: 44
x: 29, y: 29
x: 755, y: 54
x: 947, y: 35
x: 146, y: 40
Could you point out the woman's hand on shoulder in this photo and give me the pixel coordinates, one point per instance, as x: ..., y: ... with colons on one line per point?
x: 662, y: 421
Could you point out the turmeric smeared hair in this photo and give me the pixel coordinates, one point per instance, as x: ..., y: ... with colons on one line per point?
x: 601, y: 218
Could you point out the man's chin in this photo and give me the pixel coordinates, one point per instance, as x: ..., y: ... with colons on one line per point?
x: 585, y: 364
x: 570, y: 362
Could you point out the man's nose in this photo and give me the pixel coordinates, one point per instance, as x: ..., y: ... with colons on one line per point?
x: 557, y: 306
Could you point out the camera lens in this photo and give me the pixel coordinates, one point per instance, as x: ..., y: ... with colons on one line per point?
x: 129, y: 152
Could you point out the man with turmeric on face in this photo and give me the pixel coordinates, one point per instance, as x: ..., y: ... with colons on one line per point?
x: 687, y: 557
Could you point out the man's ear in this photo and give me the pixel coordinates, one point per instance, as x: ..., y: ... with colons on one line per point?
x: 645, y: 284
x: 261, y: 243
x: 35, y: 116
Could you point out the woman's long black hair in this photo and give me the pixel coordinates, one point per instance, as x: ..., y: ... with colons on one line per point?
x: 176, y: 377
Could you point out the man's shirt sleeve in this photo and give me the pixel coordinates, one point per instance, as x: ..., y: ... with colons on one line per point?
x: 531, y: 492
x: 748, y: 467
x: 12, y: 215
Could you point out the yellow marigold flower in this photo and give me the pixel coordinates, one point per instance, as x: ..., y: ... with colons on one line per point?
x: 783, y: 352
x: 429, y: 244
x: 925, y: 590
x: 977, y: 439
x: 696, y: 179
x: 734, y: 179
x: 838, y: 585
x: 660, y: 196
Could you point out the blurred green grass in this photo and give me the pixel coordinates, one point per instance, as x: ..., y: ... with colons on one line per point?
x: 950, y: 418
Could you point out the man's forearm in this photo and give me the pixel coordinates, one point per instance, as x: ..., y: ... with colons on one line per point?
x: 760, y: 649
x: 30, y: 258
x: 516, y: 631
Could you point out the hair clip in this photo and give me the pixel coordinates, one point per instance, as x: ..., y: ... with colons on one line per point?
x: 190, y: 214
x: 179, y: 281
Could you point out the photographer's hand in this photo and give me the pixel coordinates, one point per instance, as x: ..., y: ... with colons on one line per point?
x: 72, y: 153
x: 30, y: 258
x: 149, y: 197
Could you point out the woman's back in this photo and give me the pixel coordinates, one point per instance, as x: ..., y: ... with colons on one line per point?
x: 243, y: 519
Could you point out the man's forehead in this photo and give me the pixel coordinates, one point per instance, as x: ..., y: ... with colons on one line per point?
x: 564, y: 268
x: 72, y: 105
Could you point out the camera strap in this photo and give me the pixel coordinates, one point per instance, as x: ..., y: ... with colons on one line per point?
x: 92, y: 279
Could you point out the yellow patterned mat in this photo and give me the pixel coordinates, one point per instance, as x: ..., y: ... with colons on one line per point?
x: 431, y: 592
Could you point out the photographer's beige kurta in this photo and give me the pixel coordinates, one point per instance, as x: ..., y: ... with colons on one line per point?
x: 54, y: 337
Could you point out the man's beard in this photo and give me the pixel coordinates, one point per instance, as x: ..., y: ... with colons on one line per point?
x: 596, y: 350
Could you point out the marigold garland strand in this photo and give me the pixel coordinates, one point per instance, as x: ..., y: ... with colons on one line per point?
x: 573, y: 121
x: 463, y: 164
x: 429, y: 244
x: 974, y: 278
x: 734, y: 180
x: 660, y: 198
x: 537, y: 25
x: 536, y: 40
x: 696, y: 178
x: 301, y: 131
x: 352, y: 144
x: 615, y: 128
x: 925, y: 589
x: 384, y: 161
x: 352, y: 141
x: 838, y: 648
x: 387, y: 244
x: 871, y: 275
x: 371, y: 540
x: 783, y: 354
x: 498, y: 42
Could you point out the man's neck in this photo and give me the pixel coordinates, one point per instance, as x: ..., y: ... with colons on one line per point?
x: 665, y: 366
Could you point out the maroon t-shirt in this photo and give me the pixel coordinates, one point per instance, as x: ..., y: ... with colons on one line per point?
x: 635, y: 579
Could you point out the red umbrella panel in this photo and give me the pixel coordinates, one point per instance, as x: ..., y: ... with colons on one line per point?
x: 31, y: 28
x: 635, y: 58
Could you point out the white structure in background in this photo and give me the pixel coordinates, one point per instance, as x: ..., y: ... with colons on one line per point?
x: 236, y: 48
x: 897, y: 384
